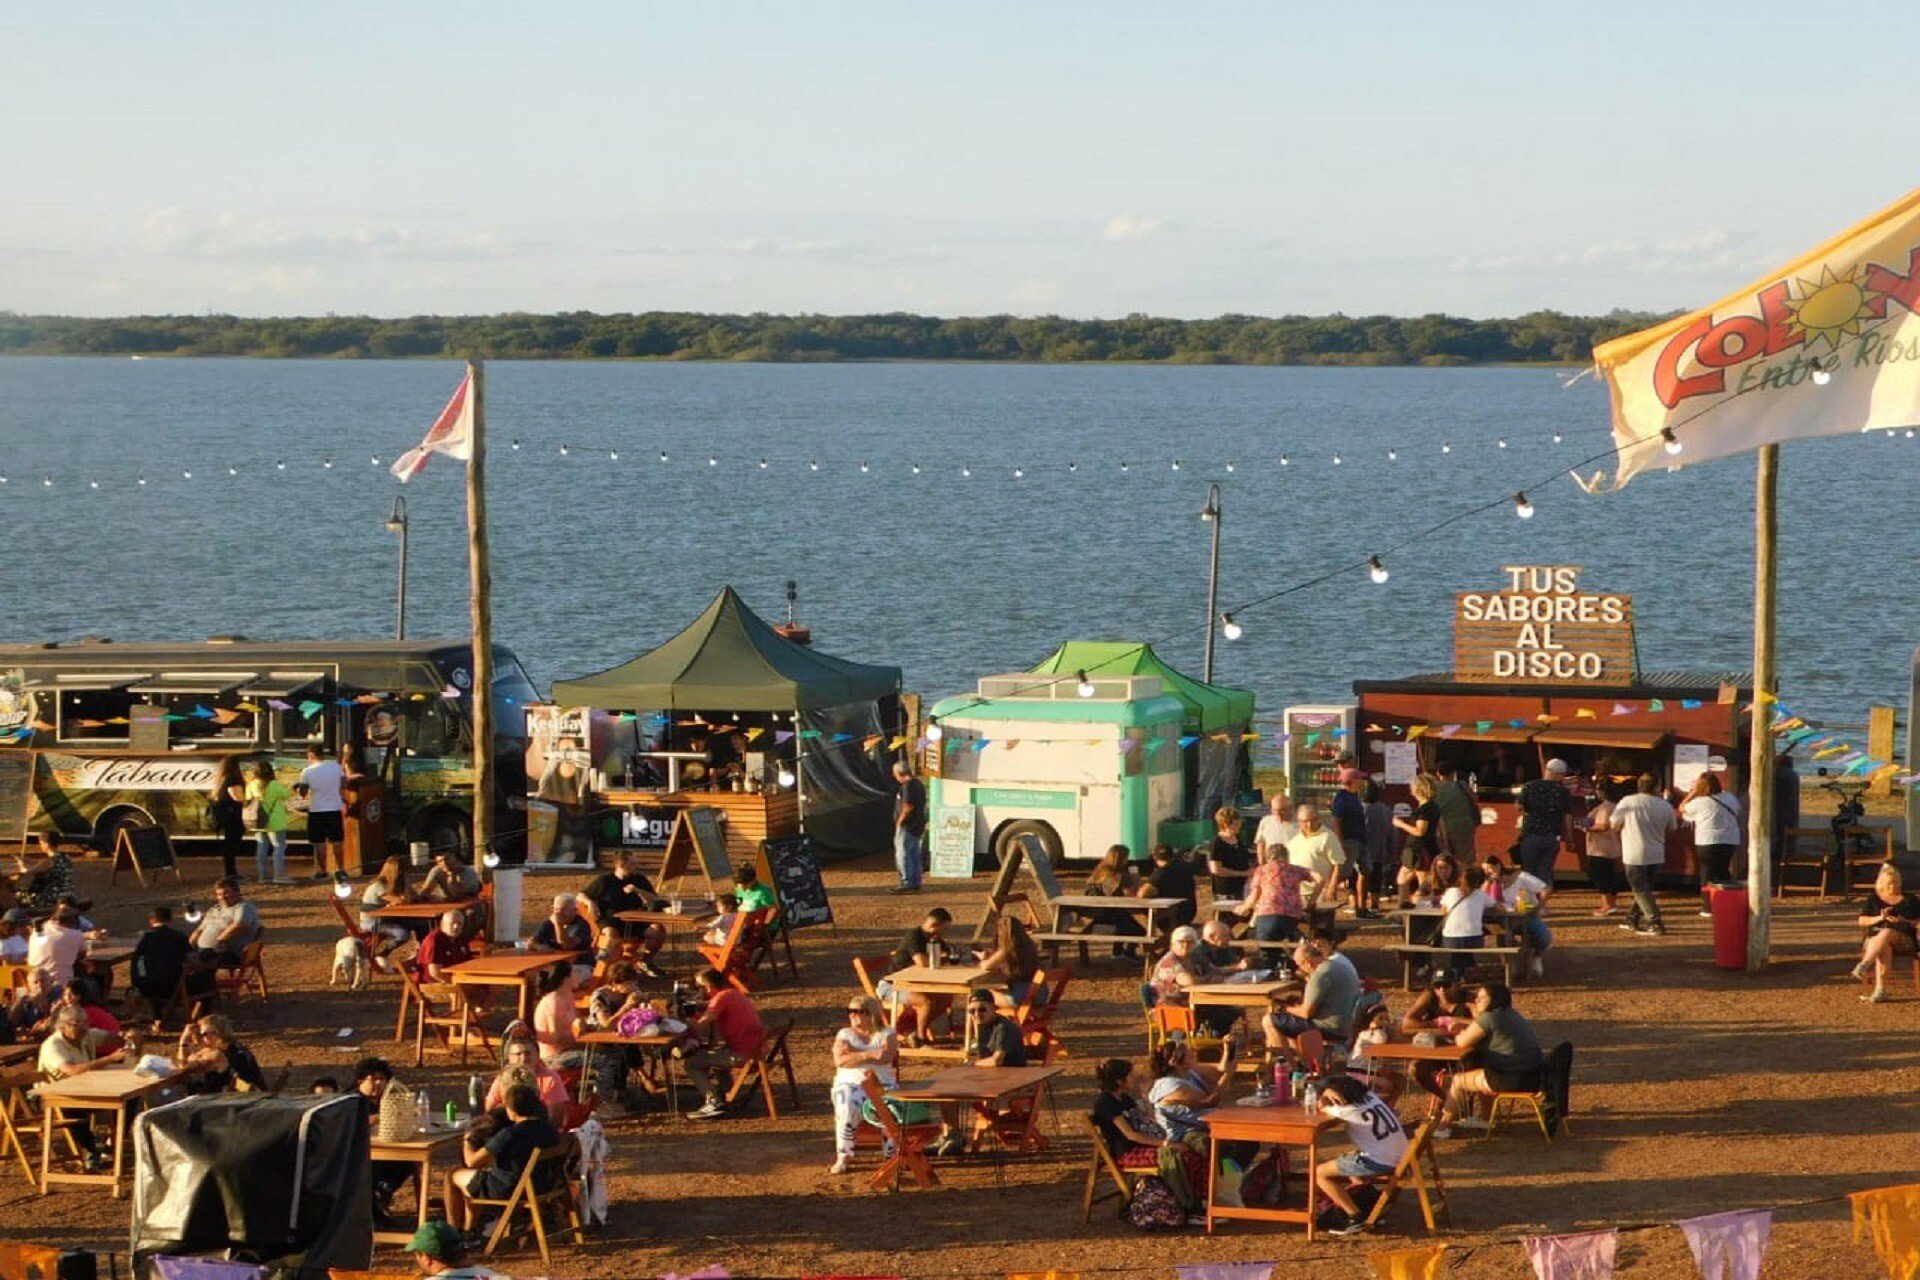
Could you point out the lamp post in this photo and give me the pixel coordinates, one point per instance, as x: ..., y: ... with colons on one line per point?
x: 1211, y: 514
x: 397, y: 523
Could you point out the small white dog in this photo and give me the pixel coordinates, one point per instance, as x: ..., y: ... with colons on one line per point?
x: 349, y: 965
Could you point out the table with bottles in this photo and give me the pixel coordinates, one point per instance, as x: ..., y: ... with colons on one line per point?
x: 433, y: 1133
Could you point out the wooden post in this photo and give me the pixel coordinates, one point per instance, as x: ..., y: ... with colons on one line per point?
x: 1880, y: 746
x: 481, y: 573
x: 1760, y: 766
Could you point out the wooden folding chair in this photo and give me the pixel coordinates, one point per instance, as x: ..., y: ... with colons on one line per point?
x: 251, y: 975
x: 1417, y: 1163
x: 774, y: 934
x: 733, y: 957
x: 1036, y: 1021
x: 869, y: 970
x: 1865, y: 848
x: 758, y: 1067
x: 523, y: 1196
x: 1805, y: 849
x: 909, y: 1143
x: 1103, y: 1163
x: 1554, y: 1091
x: 444, y: 1009
x: 13, y: 1100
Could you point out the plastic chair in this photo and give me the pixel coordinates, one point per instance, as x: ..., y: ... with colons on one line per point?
x: 524, y: 1196
x: 909, y: 1142
x: 1103, y: 1163
x: 1167, y: 1020
x: 1554, y: 1093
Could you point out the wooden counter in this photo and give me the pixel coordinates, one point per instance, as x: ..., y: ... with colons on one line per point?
x: 751, y: 817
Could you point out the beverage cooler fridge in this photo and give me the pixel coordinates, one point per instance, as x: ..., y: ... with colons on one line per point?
x: 1316, y: 736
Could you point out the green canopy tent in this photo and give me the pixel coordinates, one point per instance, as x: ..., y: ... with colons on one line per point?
x: 729, y: 659
x: 1218, y: 766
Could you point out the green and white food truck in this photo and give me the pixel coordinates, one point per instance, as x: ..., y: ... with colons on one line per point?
x: 1103, y: 745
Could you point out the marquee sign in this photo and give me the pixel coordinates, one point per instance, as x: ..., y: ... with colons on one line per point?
x: 1541, y: 628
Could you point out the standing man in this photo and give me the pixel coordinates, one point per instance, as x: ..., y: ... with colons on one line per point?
x: 1546, y: 810
x: 320, y: 783
x: 1276, y: 828
x: 909, y: 827
x: 1645, y: 819
x: 1350, y: 828
x: 1459, y: 812
x: 1321, y: 853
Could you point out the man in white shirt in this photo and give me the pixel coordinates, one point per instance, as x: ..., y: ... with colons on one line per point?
x: 320, y: 783
x: 1318, y: 850
x: 58, y: 946
x: 1276, y: 829
x: 1525, y: 896
x: 1644, y: 819
x: 15, y: 929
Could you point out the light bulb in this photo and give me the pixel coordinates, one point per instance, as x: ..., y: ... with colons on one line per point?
x: 1085, y: 687
x: 763, y: 464
x: 1446, y: 446
x: 786, y: 776
x: 1820, y: 375
x: 490, y: 859
x: 663, y: 455
x: 1123, y: 466
x: 515, y: 446
x: 1376, y: 570
x: 966, y: 472
x: 712, y: 461
x: 1229, y: 468
x: 934, y: 731
x: 863, y: 468
x: 1521, y: 507
x: 374, y: 460
x: 327, y: 463
x: 564, y: 450
x: 1503, y: 442
x: 1285, y: 461
x: 1673, y: 444
x: 1019, y: 474
x: 232, y: 472
x: 1336, y: 459
x: 186, y: 475
x: 341, y: 889
x: 1229, y: 628
x: 280, y: 465
x: 192, y: 913
x: 813, y: 466
x: 93, y: 484
x: 1556, y: 437
x: 916, y: 468
x: 47, y: 481
x: 613, y: 455
x: 1176, y: 464
x: 142, y: 481
x: 1393, y: 455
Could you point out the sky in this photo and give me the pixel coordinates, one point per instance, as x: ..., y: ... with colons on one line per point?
x: 1092, y: 159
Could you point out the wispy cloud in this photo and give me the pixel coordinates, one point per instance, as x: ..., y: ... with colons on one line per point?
x: 1124, y: 228
x: 1710, y: 253
x: 178, y: 231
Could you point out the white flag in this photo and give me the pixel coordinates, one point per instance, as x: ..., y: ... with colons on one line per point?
x: 451, y: 434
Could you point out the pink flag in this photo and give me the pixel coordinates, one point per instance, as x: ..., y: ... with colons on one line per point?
x: 451, y: 434
x: 1586, y: 1256
x: 1225, y: 1271
x: 1729, y: 1246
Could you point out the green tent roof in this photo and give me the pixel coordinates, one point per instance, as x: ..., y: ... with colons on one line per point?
x: 729, y: 659
x: 1210, y: 707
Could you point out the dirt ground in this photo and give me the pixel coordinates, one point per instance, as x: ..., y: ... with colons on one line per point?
x: 1696, y: 1090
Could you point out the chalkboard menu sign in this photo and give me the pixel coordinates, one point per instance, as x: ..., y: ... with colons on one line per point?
x: 789, y: 866
x: 143, y: 849
x: 711, y: 843
x: 16, y: 794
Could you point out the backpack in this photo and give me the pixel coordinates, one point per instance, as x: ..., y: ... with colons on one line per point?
x: 1152, y: 1207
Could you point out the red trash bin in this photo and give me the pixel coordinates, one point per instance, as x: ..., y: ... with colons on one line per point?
x: 1729, y: 907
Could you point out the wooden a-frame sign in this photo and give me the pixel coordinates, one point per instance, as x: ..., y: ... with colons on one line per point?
x: 696, y: 835
x: 144, y: 849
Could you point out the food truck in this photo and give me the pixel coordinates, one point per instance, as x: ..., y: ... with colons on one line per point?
x: 1104, y: 743
x: 1545, y: 668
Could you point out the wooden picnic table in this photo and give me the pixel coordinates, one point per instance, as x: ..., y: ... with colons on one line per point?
x: 1242, y: 995
x: 1088, y: 903
x: 1420, y: 926
x: 689, y: 920
x: 955, y: 981
x: 1407, y: 1051
x: 13, y: 1053
x: 984, y: 1089
x: 654, y: 1044
x: 512, y: 970
x: 110, y: 951
x: 417, y: 1152
x: 1287, y: 1126
x: 430, y: 909
x: 77, y: 1097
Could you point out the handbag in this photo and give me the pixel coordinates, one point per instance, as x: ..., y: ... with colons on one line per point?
x: 253, y: 814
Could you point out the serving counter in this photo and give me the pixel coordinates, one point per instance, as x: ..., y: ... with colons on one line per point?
x: 750, y: 817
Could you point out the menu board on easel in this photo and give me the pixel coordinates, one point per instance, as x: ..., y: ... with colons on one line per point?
x: 789, y: 866
x: 16, y: 795
x: 143, y: 849
x: 697, y: 836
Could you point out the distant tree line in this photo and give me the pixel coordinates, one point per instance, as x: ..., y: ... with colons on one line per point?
x: 1540, y: 337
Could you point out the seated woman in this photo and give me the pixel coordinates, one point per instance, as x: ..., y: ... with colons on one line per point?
x: 1186, y: 965
x: 388, y: 889
x: 547, y: 1083
x: 556, y: 1018
x: 1509, y: 1058
x: 1443, y: 873
x: 1442, y: 1009
x: 1379, y: 1141
x: 218, y: 1061
x: 617, y: 994
x: 1463, y: 927
x: 1888, y: 915
x: 1114, y: 877
x: 495, y: 1158
x: 1014, y: 957
x: 1182, y: 1088
x: 866, y: 1046
x: 1133, y: 1134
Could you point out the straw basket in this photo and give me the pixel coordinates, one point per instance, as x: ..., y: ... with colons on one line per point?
x: 397, y: 1117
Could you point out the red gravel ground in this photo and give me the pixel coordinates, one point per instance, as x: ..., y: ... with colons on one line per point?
x: 1695, y: 1091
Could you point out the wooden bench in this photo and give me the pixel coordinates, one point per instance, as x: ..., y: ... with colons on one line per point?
x: 1411, y: 958
x: 1053, y: 941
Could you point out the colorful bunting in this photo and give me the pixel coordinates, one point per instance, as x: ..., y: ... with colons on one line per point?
x: 1426, y: 1263
x: 310, y: 708
x: 1448, y: 730
x: 1622, y: 709
x: 754, y: 732
x: 1586, y: 713
x: 1690, y: 704
x: 1587, y: 1255
x: 1188, y: 740
x: 279, y: 704
x: 1481, y: 726
x: 1654, y: 704
x: 1890, y: 1220
x: 1225, y: 1271
x: 1417, y: 731
x: 809, y: 735
x: 202, y: 712
x: 781, y: 736
x: 894, y: 744
x: 1729, y: 1246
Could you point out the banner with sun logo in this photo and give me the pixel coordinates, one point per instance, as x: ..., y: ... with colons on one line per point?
x: 1828, y: 344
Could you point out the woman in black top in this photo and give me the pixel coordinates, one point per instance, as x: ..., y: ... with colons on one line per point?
x: 1227, y: 862
x: 1888, y: 915
x: 1125, y: 1121
x: 1423, y: 839
x: 222, y: 1064
x: 224, y: 801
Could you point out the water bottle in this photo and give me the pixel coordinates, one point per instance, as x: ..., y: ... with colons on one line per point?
x: 476, y: 1094
x: 1299, y: 1087
x: 421, y: 1110
x: 1310, y: 1100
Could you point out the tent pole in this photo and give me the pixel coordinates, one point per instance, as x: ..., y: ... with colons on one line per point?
x: 1760, y: 767
x: 799, y: 773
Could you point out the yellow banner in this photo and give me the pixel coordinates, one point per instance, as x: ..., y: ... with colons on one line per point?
x: 1828, y: 344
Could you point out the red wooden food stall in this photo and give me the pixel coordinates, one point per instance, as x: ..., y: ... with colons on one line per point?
x: 1544, y: 670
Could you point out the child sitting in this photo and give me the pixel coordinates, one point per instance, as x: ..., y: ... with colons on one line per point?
x: 729, y: 910
x: 1378, y: 1143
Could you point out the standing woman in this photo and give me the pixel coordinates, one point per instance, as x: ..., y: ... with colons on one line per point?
x: 1226, y: 860
x: 228, y: 793
x: 270, y: 822
x: 1604, y: 871
x: 1423, y: 838
x: 1715, y: 816
x: 864, y: 1047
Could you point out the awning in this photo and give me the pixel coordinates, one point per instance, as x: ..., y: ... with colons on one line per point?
x: 195, y: 682
x: 87, y: 683
x: 1629, y: 739
x: 282, y: 684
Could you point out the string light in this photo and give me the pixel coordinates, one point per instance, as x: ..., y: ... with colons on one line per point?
x: 1393, y: 455
x: 186, y: 475
x: 712, y: 461
x: 613, y: 455
x: 1085, y: 687
x: 1336, y: 459
x: 1673, y: 445
x: 916, y: 467
x: 1229, y: 628
x: 1521, y: 507
x: 763, y: 464
x: 1503, y: 442
x: 47, y: 482
x: 813, y: 465
x: 1376, y: 570
x: 934, y: 731
x: 1285, y: 461
x: 1176, y: 464
x: 966, y: 473
x: 1446, y: 446
x: 1821, y: 376
x: 341, y: 889
x: 93, y: 484
x: 192, y: 913
x: 375, y: 459
x: 1123, y: 466
x: 863, y: 468
x: 563, y: 450
x: 280, y: 465
x: 786, y: 776
x: 232, y: 472
x: 515, y: 446
x: 327, y: 463
x: 490, y: 860
x: 143, y: 480
x: 1018, y: 474
x: 1229, y: 468
x: 1556, y: 437
x: 1071, y: 466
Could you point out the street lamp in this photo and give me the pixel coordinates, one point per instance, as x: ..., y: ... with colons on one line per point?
x: 1211, y: 514
x: 397, y: 523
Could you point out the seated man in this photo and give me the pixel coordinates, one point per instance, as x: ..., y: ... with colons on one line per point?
x: 928, y: 938
x: 228, y: 928
x: 995, y: 1042
x: 1510, y: 1060
x: 1171, y: 877
x: 160, y: 962
x: 450, y: 879
x: 444, y: 946
x: 563, y: 929
x: 74, y: 1048
x: 732, y: 1025
x: 1216, y: 944
x: 495, y: 1161
x: 1333, y: 989
x: 626, y: 888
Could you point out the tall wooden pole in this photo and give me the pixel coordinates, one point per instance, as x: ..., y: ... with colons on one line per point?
x: 483, y: 783
x: 1760, y: 769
